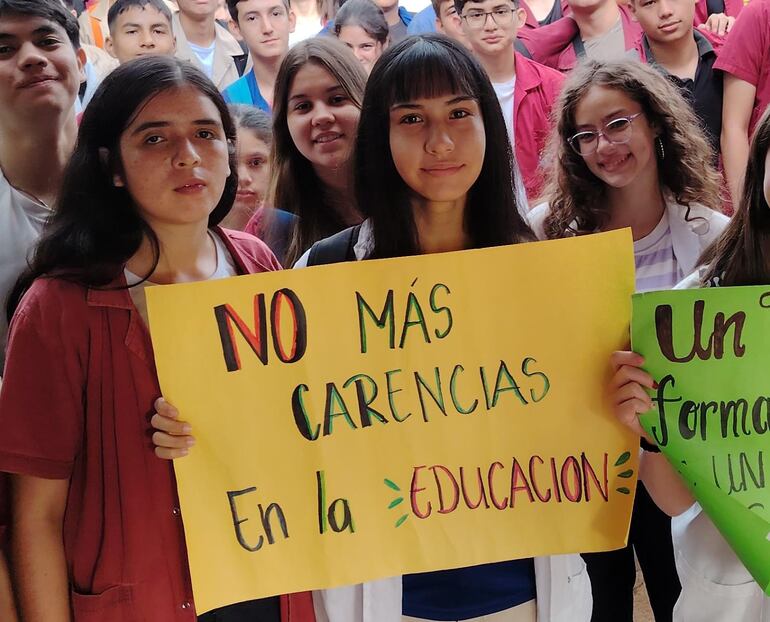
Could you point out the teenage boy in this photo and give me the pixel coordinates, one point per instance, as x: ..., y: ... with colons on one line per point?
x: 40, y: 73
x: 398, y: 19
x: 439, y: 16
x: 526, y: 90
x: 596, y: 29
x: 745, y: 61
x: 206, y: 44
x: 139, y: 28
x: 685, y: 55
x: 264, y: 25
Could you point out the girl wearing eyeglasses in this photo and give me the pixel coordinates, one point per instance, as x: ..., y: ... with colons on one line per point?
x: 628, y: 151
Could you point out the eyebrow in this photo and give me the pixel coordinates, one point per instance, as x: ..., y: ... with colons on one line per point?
x: 42, y: 30
x: 609, y: 117
x: 451, y: 102
x: 156, y: 124
x: 336, y: 87
x: 134, y: 25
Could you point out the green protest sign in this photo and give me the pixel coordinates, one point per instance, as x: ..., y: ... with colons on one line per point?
x: 708, y: 349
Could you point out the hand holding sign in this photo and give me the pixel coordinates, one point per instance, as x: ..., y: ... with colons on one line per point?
x: 375, y: 418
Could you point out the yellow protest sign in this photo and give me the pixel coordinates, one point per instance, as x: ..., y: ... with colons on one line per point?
x: 375, y: 418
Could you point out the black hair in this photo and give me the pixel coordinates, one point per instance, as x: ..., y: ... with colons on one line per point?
x: 424, y: 67
x: 121, y: 6
x: 232, y: 6
x: 460, y: 4
x: 254, y: 119
x: 367, y: 15
x: 95, y: 227
x: 52, y: 10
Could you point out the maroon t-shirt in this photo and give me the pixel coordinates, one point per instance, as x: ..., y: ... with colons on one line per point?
x: 746, y: 54
x: 76, y: 402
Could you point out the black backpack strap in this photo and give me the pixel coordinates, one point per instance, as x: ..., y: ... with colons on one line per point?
x: 335, y: 249
x: 240, y: 63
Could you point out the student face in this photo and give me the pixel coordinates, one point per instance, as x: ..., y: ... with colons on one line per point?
x: 140, y: 31
x: 198, y: 8
x: 321, y: 118
x: 450, y: 24
x: 617, y: 164
x: 438, y: 146
x: 253, y: 170
x: 174, y: 157
x: 365, y: 47
x: 265, y: 26
x: 665, y: 20
x: 40, y: 71
x: 491, y: 35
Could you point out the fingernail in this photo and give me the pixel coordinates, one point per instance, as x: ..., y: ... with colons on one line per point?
x: 654, y: 384
x: 190, y: 442
x: 186, y: 428
x: 184, y: 452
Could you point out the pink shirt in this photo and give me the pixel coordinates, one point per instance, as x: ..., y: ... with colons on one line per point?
x: 746, y: 54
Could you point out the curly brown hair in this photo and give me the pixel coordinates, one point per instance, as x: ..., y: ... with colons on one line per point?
x: 577, y: 198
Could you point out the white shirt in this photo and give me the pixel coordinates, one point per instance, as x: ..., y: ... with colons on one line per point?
x: 21, y: 223
x: 225, y: 268
x: 504, y: 92
x: 205, y: 56
x: 656, y: 264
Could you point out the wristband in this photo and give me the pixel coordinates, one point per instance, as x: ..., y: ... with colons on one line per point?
x: 648, y: 446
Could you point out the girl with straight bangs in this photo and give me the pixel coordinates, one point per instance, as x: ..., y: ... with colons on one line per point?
x: 629, y: 152
x: 433, y: 173
x: 318, y: 94
x: 716, y: 586
x: 96, y: 530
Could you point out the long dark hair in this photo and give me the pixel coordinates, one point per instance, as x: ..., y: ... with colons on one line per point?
x: 425, y: 67
x: 295, y: 185
x: 577, y: 197
x: 741, y: 255
x: 95, y: 227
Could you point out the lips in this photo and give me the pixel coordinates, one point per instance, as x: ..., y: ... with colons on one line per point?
x: 669, y: 26
x: 443, y: 170
x: 492, y: 40
x: 191, y: 186
x: 610, y: 166
x: 327, y: 137
x: 36, y: 81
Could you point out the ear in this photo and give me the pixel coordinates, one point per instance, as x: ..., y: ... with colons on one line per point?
x: 109, y: 47
x: 292, y: 21
x: 82, y: 60
x: 439, y: 25
x: 173, y: 51
x: 520, y: 17
x: 104, y: 160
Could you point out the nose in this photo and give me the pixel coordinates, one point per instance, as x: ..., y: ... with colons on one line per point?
x: 603, y: 143
x: 489, y: 22
x: 186, y: 155
x: 267, y: 25
x: 439, y: 142
x: 664, y: 8
x: 146, y: 40
x: 31, y: 56
x: 244, y: 176
x: 322, y: 115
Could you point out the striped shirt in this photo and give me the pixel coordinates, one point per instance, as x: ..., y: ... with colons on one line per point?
x: 656, y: 264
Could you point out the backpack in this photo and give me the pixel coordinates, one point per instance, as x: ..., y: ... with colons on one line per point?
x: 335, y: 249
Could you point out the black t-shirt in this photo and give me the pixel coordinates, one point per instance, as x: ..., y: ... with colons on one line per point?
x: 704, y: 92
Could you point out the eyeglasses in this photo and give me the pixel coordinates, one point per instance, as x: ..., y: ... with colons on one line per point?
x: 502, y: 16
x: 617, y: 132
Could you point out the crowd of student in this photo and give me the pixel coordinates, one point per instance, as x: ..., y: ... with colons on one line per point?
x: 264, y: 133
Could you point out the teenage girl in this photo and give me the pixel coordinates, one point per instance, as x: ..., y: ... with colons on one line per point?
x: 249, y: 213
x: 96, y: 531
x: 433, y: 173
x: 715, y: 585
x: 629, y: 152
x: 317, y: 103
x: 361, y: 25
